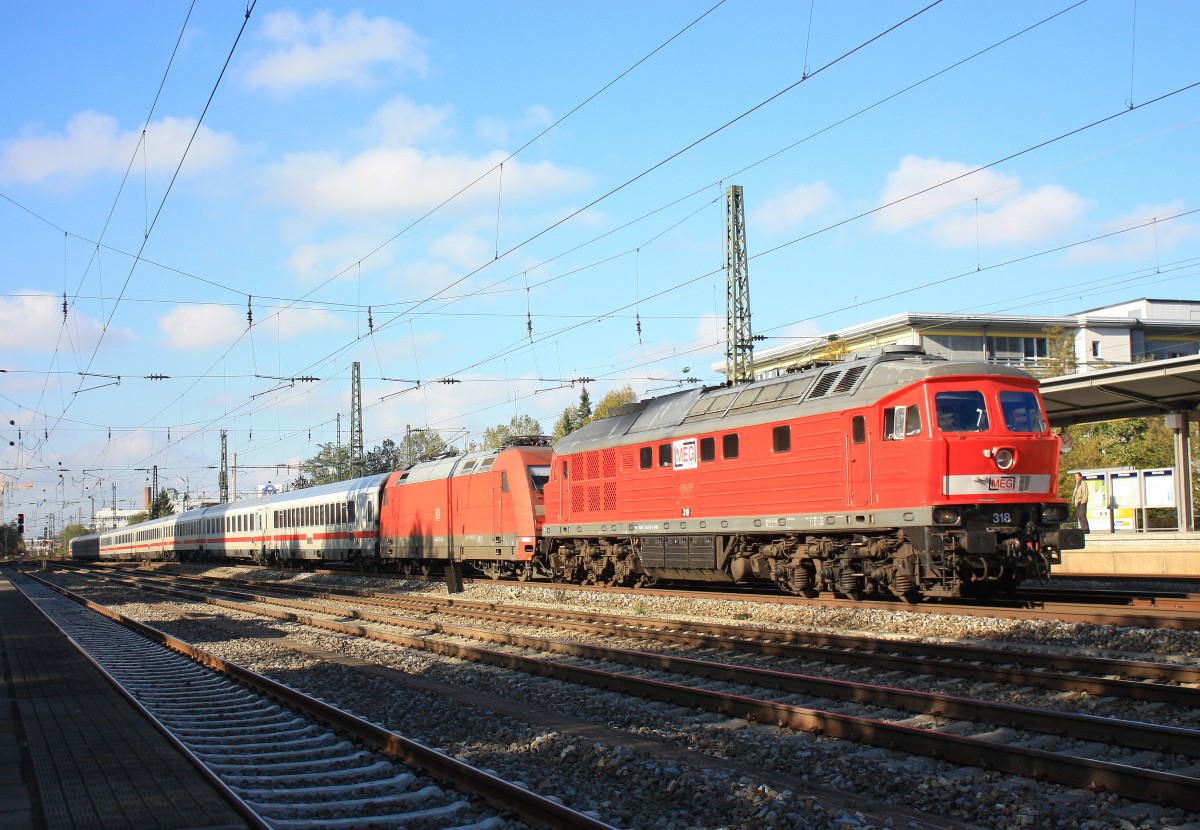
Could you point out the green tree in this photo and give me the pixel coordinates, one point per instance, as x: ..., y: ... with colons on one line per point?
x: 1060, y: 352
x: 421, y: 445
x: 330, y: 464
x: 382, y: 459
x: 566, y: 423
x: 573, y: 417
x: 138, y: 518
x: 10, y: 541
x: 162, y: 505
x: 612, y: 400
x: 518, y: 425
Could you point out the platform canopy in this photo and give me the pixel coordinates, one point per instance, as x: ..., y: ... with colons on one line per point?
x: 1137, y: 391
x: 1162, y: 387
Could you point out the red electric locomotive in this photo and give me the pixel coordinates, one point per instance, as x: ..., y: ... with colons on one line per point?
x: 482, y: 509
x: 895, y: 474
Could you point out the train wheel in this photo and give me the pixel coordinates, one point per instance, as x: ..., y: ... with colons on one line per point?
x: 493, y: 570
x: 524, y: 573
x: 424, y: 568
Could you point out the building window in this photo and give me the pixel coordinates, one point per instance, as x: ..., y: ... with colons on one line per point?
x: 1017, y: 350
x: 1095, y: 348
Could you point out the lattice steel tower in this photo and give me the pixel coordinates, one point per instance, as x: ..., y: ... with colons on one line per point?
x: 358, y: 462
x: 739, y: 341
x: 223, y: 475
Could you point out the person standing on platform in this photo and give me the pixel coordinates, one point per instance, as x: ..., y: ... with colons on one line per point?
x: 1080, y: 499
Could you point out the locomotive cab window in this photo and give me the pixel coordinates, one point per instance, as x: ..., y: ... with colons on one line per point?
x: 708, y: 449
x: 664, y: 455
x: 858, y: 429
x: 901, y: 422
x: 539, y: 474
x: 646, y: 458
x: 503, y: 481
x: 781, y: 439
x: 1021, y: 412
x: 961, y: 411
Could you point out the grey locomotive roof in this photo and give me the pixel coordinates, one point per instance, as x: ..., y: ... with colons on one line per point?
x: 816, y: 390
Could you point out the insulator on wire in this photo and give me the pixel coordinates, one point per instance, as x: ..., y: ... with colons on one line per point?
x: 249, y: 313
x: 370, y: 321
x: 64, y: 306
x: 529, y: 324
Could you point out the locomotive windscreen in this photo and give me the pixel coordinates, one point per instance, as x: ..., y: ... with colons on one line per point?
x: 539, y: 474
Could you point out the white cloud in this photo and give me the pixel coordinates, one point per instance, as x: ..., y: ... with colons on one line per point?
x: 1145, y: 243
x: 401, y: 122
x: 386, y: 180
x: 323, y: 50
x: 201, y: 326
x: 318, y: 261
x: 788, y: 210
x: 984, y: 207
x: 34, y: 321
x: 464, y: 249
x: 305, y: 322
x: 496, y: 130
x: 93, y: 143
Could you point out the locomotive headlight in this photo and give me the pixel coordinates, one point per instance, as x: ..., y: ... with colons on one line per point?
x: 1054, y: 514
x: 1005, y: 458
x: 945, y: 516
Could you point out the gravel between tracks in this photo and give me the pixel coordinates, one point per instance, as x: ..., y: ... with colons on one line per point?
x: 633, y: 789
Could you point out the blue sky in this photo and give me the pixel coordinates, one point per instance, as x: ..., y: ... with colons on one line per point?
x: 411, y: 185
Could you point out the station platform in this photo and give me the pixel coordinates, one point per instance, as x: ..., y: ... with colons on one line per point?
x: 75, y: 753
x: 1128, y: 554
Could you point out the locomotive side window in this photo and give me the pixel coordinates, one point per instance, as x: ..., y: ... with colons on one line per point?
x: 708, y: 448
x: 664, y: 455
x: 858, y: 429
x: 729, y: 445
x: 962, y: 411
x: 504, y: 481
x: 901, y: 422
x: 645, y: 458
x: 1021, y: 412
x: 350, y: 512
x: 781, y: 438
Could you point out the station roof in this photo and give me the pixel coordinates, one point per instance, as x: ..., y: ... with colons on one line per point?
x: 1136, y: 391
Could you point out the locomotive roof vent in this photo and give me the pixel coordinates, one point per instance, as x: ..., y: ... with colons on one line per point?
x: 902, y: 349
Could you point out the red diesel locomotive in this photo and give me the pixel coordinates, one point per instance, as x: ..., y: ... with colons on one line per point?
x: 896, y: 474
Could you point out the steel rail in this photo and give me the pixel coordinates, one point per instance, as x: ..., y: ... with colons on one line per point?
x: 1167, y: 788
x: 531, y: 807
x: 1061, y: 672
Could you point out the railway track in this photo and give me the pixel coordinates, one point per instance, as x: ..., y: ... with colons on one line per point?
x: 289, y: 760
x: 1142, y: 609
x: 1160, y: 763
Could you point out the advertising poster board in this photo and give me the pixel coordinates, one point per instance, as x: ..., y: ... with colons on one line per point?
x: 1159, y: 487
x: 1097, y: 507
